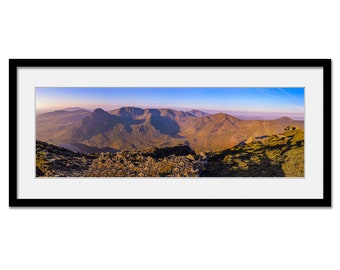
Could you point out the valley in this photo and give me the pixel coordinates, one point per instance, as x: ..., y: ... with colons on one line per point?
x: 135, y: 142
x: 131, y: 128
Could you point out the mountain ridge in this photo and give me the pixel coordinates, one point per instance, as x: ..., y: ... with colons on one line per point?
x: 133, y: 128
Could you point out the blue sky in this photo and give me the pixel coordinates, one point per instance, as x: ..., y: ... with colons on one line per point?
x: 247, y: 101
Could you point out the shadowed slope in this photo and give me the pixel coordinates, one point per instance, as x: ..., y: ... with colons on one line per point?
x: 55, y: 126
x: 274, y: 156
x: 131, y: 128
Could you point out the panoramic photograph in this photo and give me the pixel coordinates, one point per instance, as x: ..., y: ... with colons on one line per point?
x: 169, y: 132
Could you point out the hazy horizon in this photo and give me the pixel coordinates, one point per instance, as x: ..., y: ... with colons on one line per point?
x: 266, y: 103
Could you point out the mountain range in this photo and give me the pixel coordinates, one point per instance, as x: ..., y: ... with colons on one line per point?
x: 130, y: 128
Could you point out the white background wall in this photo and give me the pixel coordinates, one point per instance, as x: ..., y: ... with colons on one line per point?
x: 168, y: 238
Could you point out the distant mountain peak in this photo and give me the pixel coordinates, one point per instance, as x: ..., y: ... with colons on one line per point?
x: 99, y: 110
x: 197, y: 113
x: 224, y: 116
x: 99, y: 114
x: 72, y: 109
x: 130, y: 108
x: 284, y: 119
x: 128, y: 111
x: 194, y: 111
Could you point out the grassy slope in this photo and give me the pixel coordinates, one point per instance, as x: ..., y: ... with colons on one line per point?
x: 276, y: 155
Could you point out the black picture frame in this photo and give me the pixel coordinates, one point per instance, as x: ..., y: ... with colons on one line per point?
x: 14, y: 64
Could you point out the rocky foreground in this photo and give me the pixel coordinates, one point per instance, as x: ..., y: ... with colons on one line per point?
x: 178, y: 161
x: 267, y: 156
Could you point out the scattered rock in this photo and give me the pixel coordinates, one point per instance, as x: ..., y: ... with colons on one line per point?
x: 267, y: 156
x: 152, y: 162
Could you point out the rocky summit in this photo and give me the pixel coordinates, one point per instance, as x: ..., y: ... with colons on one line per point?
x: 177, y: 161
x: 276, y: 155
